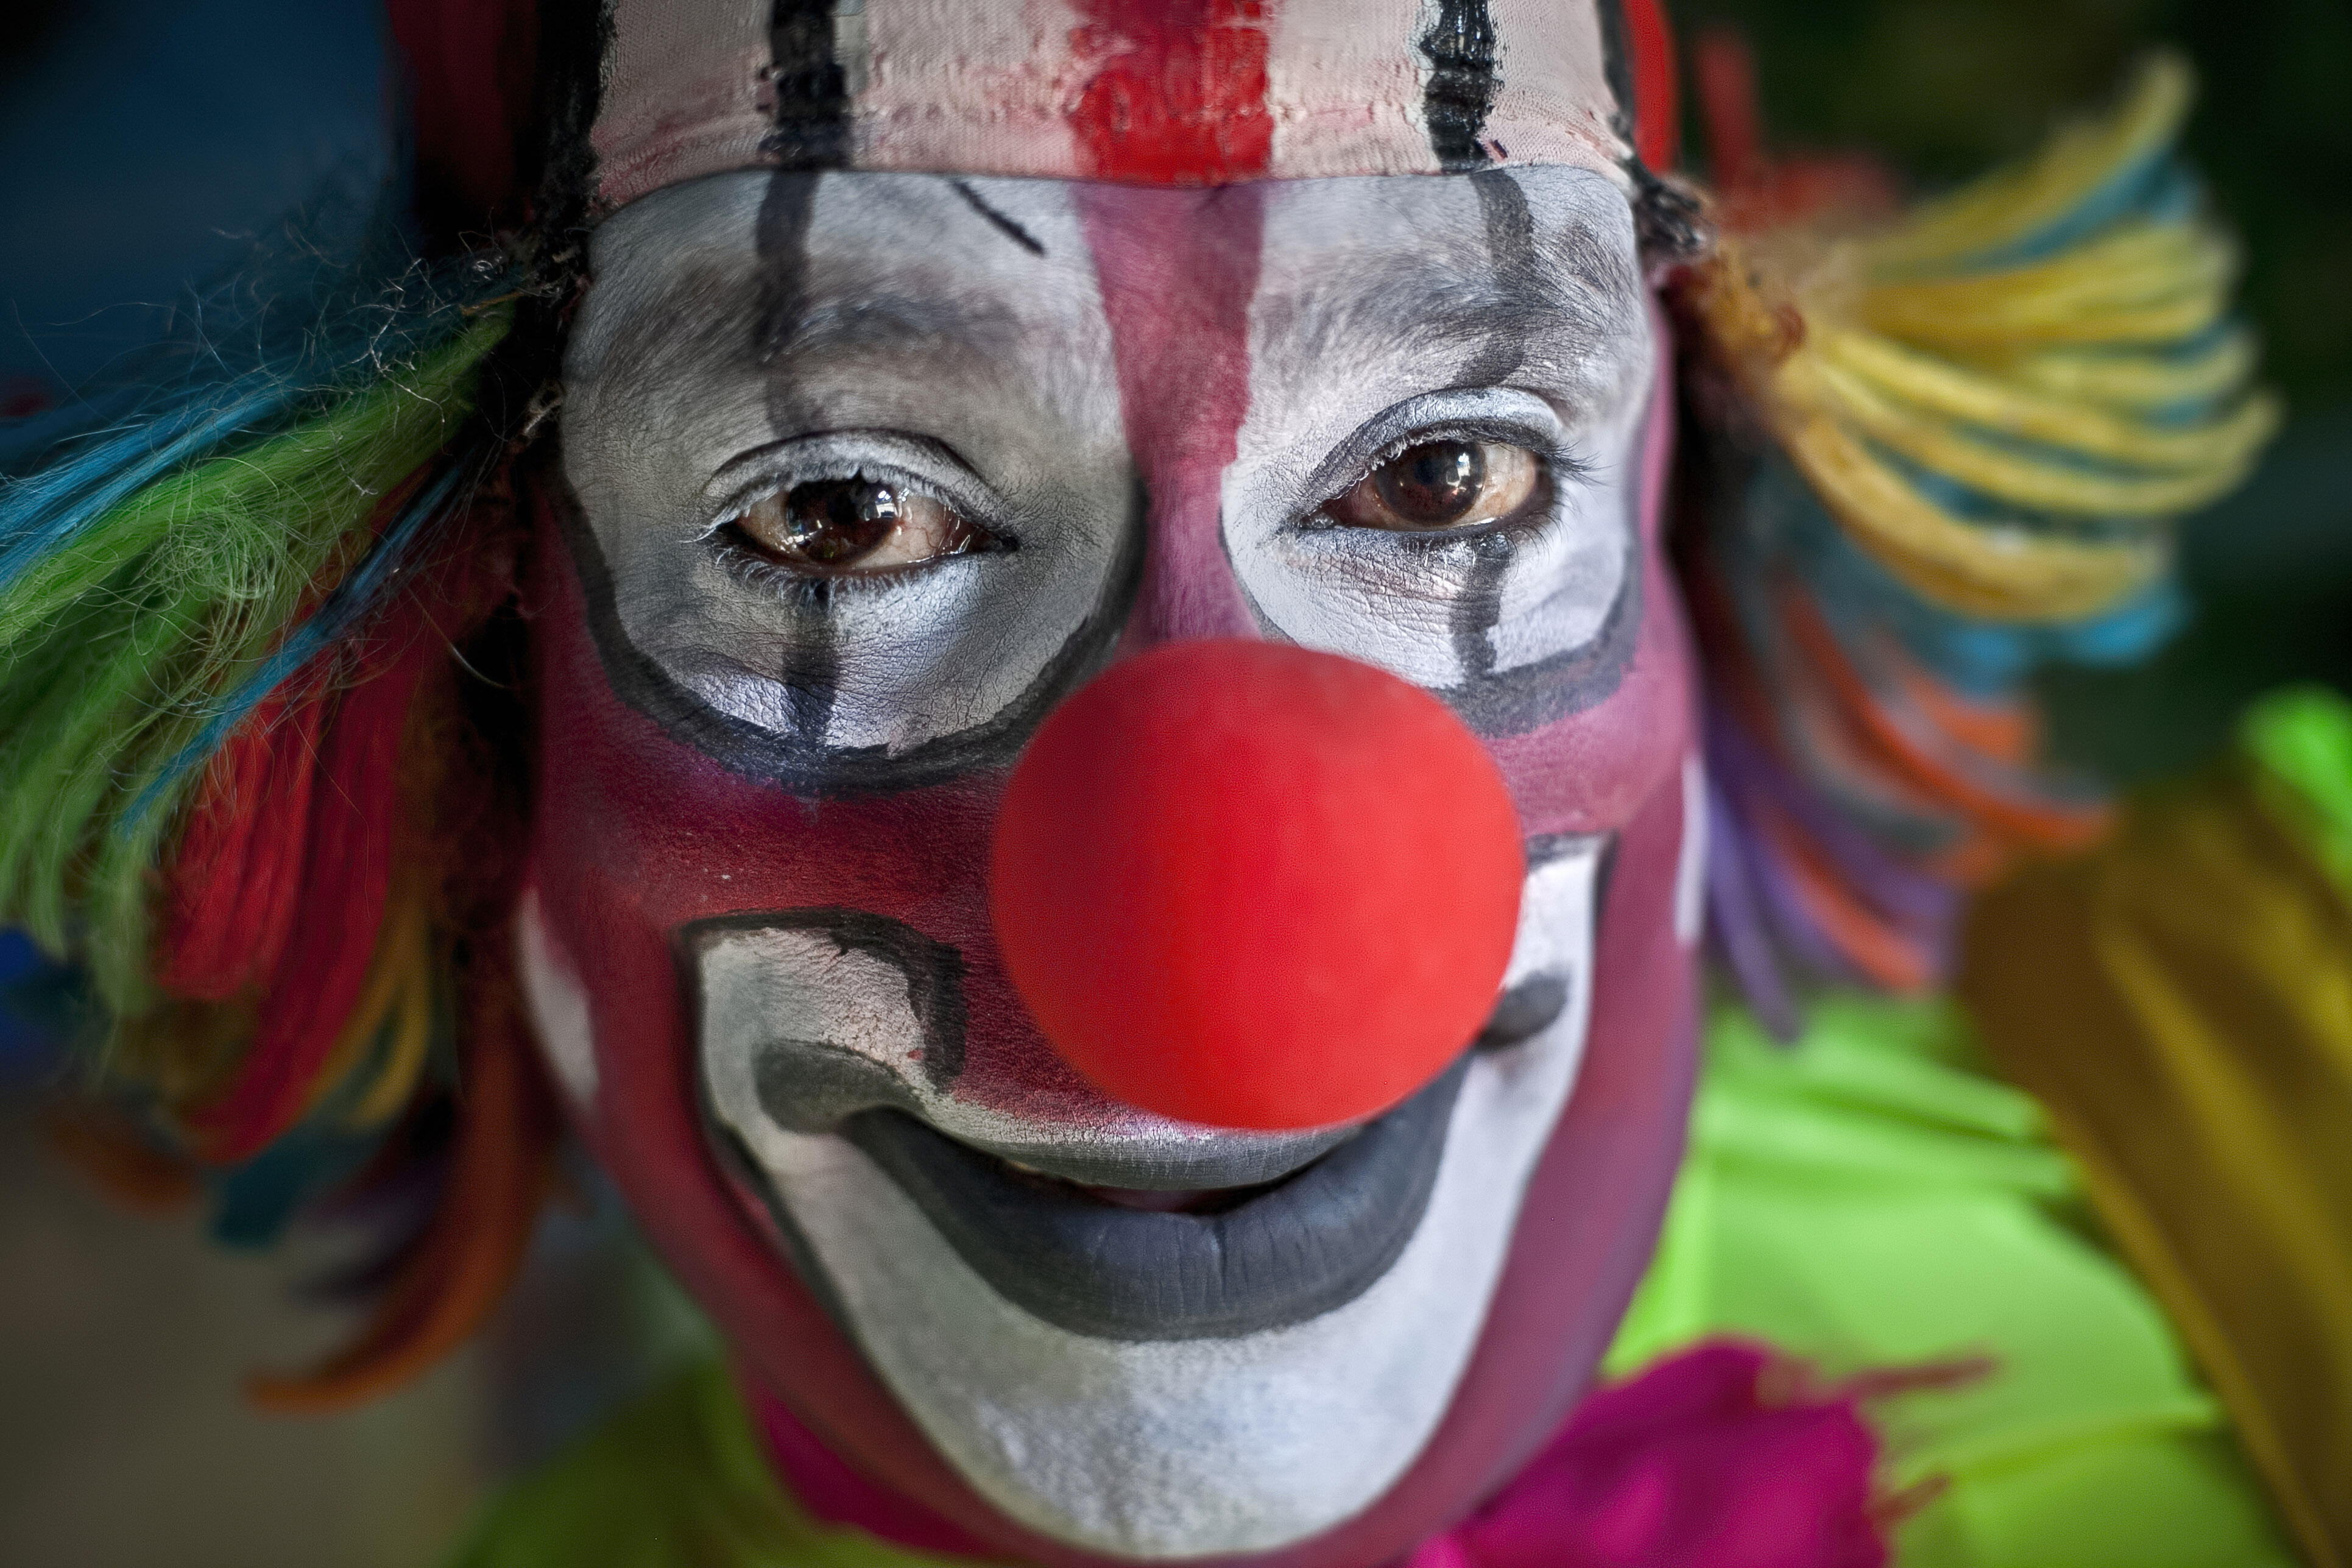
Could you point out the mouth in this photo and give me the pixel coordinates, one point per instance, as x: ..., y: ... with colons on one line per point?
x: 953, y: 1239
x: 1155, y: 1339
x: 1162, y: 1263
x: 1115, y: 1225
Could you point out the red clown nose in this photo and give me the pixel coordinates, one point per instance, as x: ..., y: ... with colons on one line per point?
x: 1246, y: 884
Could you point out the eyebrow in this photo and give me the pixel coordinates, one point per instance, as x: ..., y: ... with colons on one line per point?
x: 699, y: 318
x: 1377, y: 307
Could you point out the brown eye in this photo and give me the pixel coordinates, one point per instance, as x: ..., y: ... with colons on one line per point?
x: 1441, y: 484
x: 856, y: 523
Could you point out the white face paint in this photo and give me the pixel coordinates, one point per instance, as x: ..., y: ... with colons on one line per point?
x: 1152, y: 1449
x: 1515, y: 319
x: 748, y: 336
x: 844, y: 1014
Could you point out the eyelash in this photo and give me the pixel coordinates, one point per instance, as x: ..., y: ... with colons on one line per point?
x: 1563, y: 466
x: 743, y: 560
x: 807, y: 590
x: 803, y: 590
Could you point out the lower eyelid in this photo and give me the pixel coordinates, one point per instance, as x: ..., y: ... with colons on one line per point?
x: 756, y: 572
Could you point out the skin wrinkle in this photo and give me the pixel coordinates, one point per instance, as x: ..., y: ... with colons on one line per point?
x: 1545, y: 311
x: 1108, y: 1460
x: 663, y: 347
x: 952, y: 334
x: 1511, y: 264
x: 1416, y: 307
x: 1453, y: 298
x: 763, y: 753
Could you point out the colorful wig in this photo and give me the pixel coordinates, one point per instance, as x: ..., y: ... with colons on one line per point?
x: 239, y: 781
x: 1946, y: 447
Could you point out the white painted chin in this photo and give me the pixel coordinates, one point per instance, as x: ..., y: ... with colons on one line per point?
x: 1180, y: 1447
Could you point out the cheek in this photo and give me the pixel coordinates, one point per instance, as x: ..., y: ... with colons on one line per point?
x: 1590, y: 771
x: 639, y: 834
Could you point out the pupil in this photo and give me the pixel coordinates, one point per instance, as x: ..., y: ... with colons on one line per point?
x: 835, y: 521
x: 1435, y: 483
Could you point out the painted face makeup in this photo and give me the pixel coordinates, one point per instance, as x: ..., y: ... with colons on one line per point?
x: 860, y: 474
x: 851, y: 458
x: 1437, y: 474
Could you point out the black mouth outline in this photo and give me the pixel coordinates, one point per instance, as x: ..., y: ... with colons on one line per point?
x: 1278, y: 1251
x: 813, y: 1086
x: 1286, y: 1252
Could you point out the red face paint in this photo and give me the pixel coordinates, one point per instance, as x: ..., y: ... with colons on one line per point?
x: 1176, y: 90
x: 1177, y: 270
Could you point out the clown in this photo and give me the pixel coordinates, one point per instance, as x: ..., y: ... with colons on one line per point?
x: 873, y: 390
x: 990, y: 389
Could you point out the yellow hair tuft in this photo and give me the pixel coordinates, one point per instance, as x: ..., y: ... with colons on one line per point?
x: 2008, y: 395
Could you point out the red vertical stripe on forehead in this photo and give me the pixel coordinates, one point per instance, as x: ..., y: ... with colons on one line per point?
x: 1175, y: 92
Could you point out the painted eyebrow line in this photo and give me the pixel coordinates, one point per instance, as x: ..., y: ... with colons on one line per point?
x: 997, y: 220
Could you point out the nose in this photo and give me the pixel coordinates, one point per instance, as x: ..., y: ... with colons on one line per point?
x: 1256, y: 886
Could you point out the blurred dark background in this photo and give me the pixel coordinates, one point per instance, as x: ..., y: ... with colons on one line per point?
x: 143, y: 145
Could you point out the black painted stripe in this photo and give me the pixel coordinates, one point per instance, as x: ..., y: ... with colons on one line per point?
x: 802, y: 764
x: 812, y: 91
x: 997, y: 220
x: 1617, y: 66
x: 1460, y: 46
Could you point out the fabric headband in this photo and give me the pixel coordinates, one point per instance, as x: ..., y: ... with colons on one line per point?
x: 1172, y: 92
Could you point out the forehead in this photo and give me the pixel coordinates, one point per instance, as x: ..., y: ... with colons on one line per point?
x: 933, y: 262
x: 1174, y: 92
x: 733, y: 310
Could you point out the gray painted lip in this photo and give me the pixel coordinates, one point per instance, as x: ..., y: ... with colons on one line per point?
x: 1293, y: 1250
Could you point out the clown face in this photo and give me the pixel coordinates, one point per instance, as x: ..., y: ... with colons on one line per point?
x: 863, y: 472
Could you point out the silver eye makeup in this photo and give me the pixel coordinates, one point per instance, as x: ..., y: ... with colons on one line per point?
x: 1474, y: 542
x: 1445, y: 484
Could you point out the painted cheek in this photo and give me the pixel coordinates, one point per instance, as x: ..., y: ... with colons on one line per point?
x: 639, y: 834
x: 1592, y: 771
